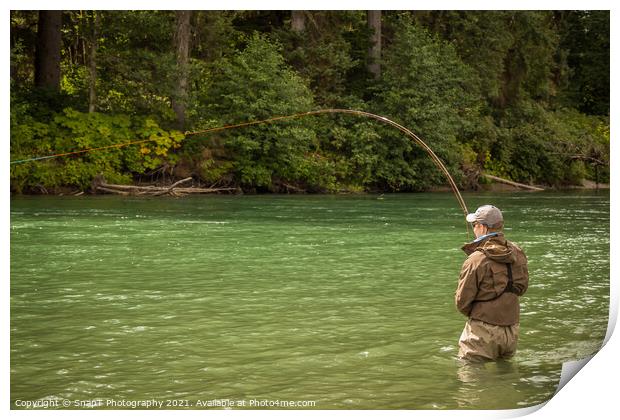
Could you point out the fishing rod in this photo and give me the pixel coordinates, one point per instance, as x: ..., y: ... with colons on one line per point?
x: 376, y: 117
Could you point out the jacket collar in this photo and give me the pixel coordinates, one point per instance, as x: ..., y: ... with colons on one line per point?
x: 472, y: 246
x: 482, y: 238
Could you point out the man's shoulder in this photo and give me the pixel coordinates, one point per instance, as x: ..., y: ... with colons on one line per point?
x: 514, y: 244
x: 515, y: 247
x: 476, y: 257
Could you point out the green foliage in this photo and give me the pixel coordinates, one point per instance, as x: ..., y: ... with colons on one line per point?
x: 585, y: 46
x: 354, y: 148
x: 322, y: 56
x: 520, y: 94
x: 74, y: 131
x: 256, y: 84
x: 549, y: 147
x: 136, y: 64
x: 427, y: 88
x: 480, y: 39
x: 513, y: 52
x: 522, y: 65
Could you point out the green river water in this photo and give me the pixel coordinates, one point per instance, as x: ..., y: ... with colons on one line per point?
x: 345, y: 301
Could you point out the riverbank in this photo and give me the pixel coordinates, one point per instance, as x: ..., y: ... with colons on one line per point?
x: 487, y: 187
x: 586, y: 185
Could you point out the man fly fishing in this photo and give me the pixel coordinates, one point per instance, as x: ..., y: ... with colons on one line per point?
x: 492, y: 278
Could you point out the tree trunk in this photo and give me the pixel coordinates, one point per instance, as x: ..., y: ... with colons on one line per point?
x: 374, y: 50
x: 47, y: 54
x: 92, y: 63
x: 514, y: 184
x: 181, y: 39
x: 298, y: 21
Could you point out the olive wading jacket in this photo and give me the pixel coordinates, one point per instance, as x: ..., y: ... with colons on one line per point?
x: 482, y: 291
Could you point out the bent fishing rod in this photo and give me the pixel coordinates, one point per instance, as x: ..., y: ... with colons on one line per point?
x: 436, y: 160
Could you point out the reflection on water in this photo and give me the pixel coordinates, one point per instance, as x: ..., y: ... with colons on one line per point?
x: 346, y: 301
x: 483, y: 382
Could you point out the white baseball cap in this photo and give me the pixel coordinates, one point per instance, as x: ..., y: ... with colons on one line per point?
x: 487, y: 215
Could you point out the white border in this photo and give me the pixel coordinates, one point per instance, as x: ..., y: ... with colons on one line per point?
x: 592, y: 392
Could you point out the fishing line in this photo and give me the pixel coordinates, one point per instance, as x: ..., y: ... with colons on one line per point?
x: 376, y: 117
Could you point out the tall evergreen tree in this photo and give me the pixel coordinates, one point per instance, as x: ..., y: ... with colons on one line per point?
x: 182, y: 46
x: 374, y: 49
x: 47, y: 59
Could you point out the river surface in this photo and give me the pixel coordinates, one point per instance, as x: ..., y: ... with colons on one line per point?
x: 344, y: 301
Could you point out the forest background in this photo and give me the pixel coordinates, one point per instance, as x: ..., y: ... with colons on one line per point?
x: 523, y: 95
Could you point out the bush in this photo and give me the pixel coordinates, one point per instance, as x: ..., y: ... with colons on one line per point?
x: 73, y: 131
x: 427, y: 88
x: 257, y: 84
x: 557, y: 148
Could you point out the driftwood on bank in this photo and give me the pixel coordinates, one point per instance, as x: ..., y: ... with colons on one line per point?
x: 514, y: 184
x: 100, y: 184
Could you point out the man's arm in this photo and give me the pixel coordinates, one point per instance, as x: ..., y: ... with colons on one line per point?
x: 467, y: 288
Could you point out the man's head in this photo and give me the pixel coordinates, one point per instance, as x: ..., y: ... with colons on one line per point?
x: 486, y: 219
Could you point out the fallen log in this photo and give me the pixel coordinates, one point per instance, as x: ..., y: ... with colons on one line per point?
x: 199, y: 190
x: 514, y: 184
x: 110, y: 190
x: 100, y: 184
x: 171, y: 188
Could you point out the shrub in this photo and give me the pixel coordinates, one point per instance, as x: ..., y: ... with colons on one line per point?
x: 257, y: 84
x: 427, y: 88
x: 73, y: 131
